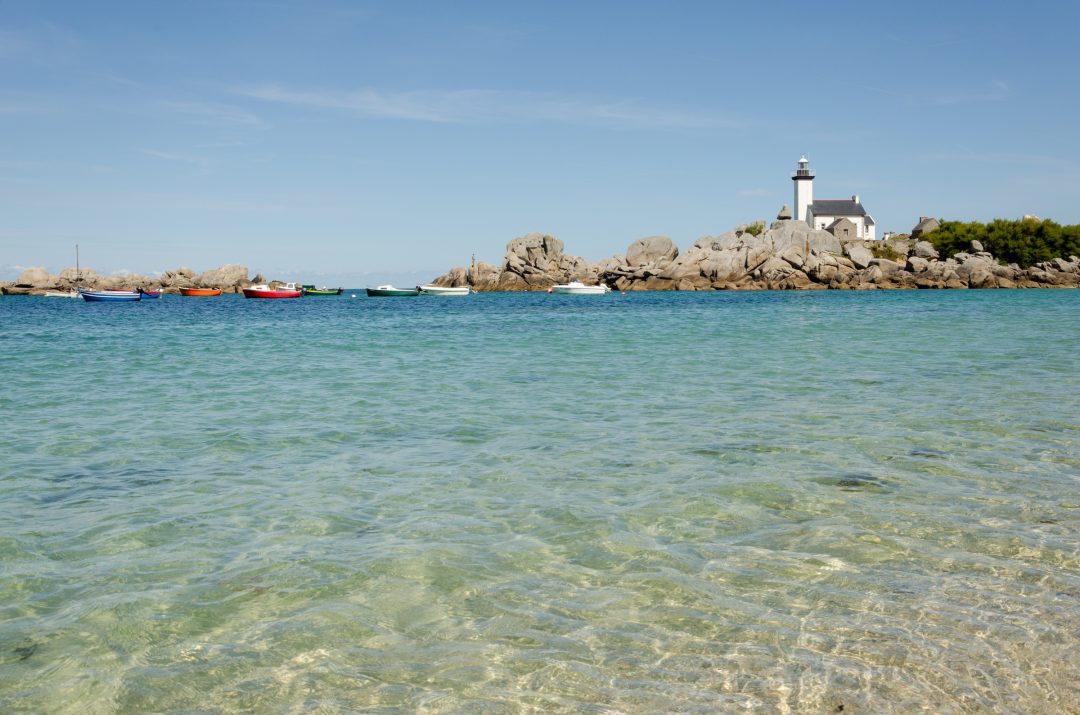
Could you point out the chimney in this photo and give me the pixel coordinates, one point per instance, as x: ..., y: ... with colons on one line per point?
x: 855, y: 198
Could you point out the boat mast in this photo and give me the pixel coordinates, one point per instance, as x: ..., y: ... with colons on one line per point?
x: 78, y: 271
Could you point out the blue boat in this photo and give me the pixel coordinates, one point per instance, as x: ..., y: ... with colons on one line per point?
x: 109, y: 296
x: 149, y: 294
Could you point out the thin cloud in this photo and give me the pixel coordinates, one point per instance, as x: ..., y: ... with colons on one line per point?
x: 198, y: 161
x: 473, y: 106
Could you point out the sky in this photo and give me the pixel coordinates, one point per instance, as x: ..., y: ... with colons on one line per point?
x: 351, y: 142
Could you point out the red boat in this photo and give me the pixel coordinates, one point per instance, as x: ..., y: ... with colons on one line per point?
x: 289, y: 290
x: 203, y: 292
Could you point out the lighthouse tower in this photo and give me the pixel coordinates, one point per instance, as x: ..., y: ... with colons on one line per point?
x: 804, y: 188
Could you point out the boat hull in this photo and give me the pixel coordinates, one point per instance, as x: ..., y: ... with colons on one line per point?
x: 258, y: 293
x: 391, y: 292
x: 150, y: 294
x: 321, y: 291
x: 579, y: 290
x: 61, y: 294
x: 445, y: 291
x: 200, y: 292
x: 110, y: 296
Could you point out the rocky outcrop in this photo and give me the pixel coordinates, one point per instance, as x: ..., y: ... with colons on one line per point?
x: 30, y: 281
x: 654, y: 250
x: 860, y: 255
x: 736, y: 259
x: 925, y: 225
x: 231, y: 277
x: 180, y: 278
x: 535, y: 261
x: 790, y: 255
x: 35, y: 278
x: 84, y: 276
x: 925, y: 249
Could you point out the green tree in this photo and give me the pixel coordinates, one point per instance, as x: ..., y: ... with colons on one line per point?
x: 1022, y: 242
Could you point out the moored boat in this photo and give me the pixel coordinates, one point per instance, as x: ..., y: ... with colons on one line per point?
x: 288, y: 290
x: 312, y: 290
x: 444, y: 290
x: 200, y: 292
x: 61, y: 294
x: 150, y: 294
x: 389, y: 291
x: 109, y: 296
x: 578, y: 288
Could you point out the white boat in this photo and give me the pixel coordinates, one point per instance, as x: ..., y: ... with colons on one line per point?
x: 579, y: 288
x: 443, y: 290
x: 61, y: 294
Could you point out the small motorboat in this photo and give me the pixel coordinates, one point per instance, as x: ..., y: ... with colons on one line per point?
x: 109, y: 296
x: 389, y: 291
x: 61, y: 294
x: 443, y: 290
x: 578, y: 288
x: 200, y: 292
x: 312, y: 290
x: 288, y: 290
x: 150, y: 294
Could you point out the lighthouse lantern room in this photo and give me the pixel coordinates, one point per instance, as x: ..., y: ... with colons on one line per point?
x: 804, y: 188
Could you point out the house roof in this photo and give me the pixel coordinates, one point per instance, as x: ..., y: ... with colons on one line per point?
x: 837, y: 207
x: 837, y: 221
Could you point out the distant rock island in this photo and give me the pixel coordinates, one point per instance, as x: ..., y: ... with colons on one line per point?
x: 788, y: 255
x: 230, y: 278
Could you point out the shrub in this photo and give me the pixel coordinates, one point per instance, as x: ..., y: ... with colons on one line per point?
x: 1022, y: 242
x: 754, y: 229
x: 883, y: 250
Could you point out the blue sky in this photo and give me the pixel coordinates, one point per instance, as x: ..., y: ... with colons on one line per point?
x: 353, y: 141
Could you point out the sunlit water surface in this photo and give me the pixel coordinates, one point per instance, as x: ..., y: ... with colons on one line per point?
x: 724, y: 502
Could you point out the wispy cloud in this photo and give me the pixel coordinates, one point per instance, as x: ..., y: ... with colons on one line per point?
x: 200, y: 162
x: 213, y: 114
x: 474, y: 106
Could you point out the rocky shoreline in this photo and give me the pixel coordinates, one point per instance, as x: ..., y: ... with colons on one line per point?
x: 230, y: 278
x: 788, y: 255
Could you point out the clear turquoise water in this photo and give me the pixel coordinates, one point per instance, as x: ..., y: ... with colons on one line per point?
x: 723, y: 502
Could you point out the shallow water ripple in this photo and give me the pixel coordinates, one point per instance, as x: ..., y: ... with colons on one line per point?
x: 858, y: 503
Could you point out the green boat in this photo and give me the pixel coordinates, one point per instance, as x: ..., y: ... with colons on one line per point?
x: 391, y: 292
x: 312, y: 290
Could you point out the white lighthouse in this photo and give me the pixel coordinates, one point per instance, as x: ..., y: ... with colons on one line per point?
x: 804, y: 188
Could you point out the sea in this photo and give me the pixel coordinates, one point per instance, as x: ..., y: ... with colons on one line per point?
x: 759, y: 502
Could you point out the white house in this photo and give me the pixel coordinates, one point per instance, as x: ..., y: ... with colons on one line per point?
x: 844, y: 218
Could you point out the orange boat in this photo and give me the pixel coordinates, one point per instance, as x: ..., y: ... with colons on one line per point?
x: 200, y: 291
